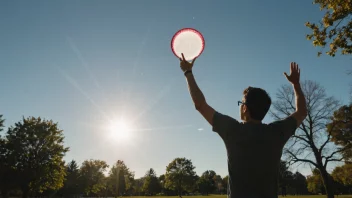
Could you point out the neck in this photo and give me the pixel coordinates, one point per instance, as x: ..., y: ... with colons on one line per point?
x: 253, y: 121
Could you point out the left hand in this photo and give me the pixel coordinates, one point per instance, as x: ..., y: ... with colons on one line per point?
x: 185, y: 65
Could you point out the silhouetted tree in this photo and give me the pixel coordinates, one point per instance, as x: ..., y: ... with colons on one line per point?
x: 312, y: 141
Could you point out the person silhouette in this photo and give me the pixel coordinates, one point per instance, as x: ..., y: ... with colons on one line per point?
x: 253, y: 148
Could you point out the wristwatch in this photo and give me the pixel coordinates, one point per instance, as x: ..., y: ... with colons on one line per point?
x: 188, y: 71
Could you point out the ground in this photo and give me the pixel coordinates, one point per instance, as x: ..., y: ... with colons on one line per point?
x: 223, y: 196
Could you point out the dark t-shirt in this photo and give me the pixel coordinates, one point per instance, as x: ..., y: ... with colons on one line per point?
x: 253, y: 154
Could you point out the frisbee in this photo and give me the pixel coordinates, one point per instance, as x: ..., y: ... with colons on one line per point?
x: 188, y: 41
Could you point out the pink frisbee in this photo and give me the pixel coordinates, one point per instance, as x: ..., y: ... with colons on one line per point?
x: 188, y: 41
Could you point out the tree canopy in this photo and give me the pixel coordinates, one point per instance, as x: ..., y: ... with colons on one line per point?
x: 335, y: 28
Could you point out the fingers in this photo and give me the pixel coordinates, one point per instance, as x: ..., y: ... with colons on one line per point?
x: 194, y: 60
x: 183, y: 57
x: 286, y: 75
x: 294, y: 68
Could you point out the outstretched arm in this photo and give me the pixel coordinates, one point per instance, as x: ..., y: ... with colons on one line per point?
x: 301, y: 109
x: 196, y: 94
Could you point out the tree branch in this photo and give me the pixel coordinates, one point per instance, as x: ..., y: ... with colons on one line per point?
x: 295, y: 159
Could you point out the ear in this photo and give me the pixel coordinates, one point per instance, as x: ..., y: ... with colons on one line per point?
x: 245, y: 109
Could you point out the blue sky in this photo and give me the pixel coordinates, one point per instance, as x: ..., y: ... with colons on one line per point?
x: 81, y: 63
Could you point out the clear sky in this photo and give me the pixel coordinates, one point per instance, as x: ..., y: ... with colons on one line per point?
x: 83, y: 63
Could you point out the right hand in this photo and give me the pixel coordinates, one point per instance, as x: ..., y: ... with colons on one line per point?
x: 185, y: 65
x: 294, y: 74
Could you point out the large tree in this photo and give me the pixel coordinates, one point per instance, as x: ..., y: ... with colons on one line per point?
x: 341, y: 130
x: 120, y: 178
x: 343, y: 174
x: 138, y: 186
x: 6, y: 174
x: 299, y: 184
x: 312, y: 141
x: 180, y: 175
x: 219, y: 184
x: 151, y: 184
x: 285, y: 176
x: 225, y: 182
x: 35, y: 150
x: 71, y: 184
x: 92, y: 176
x: 206, y: 182
x: 314, y: 182
x: 335, y: 28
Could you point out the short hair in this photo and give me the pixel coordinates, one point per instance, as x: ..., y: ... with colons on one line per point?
x: 257, y: 101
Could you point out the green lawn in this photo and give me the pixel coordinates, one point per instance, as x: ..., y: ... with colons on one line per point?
x: 223, y: 196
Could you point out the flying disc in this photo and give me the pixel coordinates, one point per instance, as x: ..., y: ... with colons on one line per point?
x: 188, y: 41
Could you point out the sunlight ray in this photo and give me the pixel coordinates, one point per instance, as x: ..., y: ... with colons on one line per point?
x: 74, y: 83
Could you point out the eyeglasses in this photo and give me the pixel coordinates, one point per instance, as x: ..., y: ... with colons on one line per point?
x: 240, y: 103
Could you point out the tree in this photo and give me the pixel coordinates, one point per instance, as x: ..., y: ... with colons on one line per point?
x: 5, y: 170
x: 299, y: 184
x: 35, y: 151
x: 312, y: 141
x: 151, y: 184
x: 343, y: 174
x: 180, y: 175
x: 206, y: 182
x: 1, y: 123
x: 315, y: 184
x: 335, y: 28
x: 120, y: 178
x: 137, y: 186
x: 219, y: 184
x: 71, y: 183
x: 285, y: 177
x: 341, y: 130
x: 225, y: 183
x: 92, y: 176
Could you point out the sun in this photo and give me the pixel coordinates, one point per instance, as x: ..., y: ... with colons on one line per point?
x: 119, y: 130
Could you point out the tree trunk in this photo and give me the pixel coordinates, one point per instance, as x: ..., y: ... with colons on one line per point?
x: 328, y: 183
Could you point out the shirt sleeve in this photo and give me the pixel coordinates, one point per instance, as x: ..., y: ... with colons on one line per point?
x: 223, y: 125
x: 286, y: 128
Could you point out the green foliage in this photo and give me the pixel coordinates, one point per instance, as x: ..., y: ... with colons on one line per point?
x: 35, y: 152
x: 225, y: 182
x: 151, y: 184
x: 335, y: 28
x: 180, y: 175
x: 315, y: 183
x: 206, y: 183
x: 343, y: 174
x: 120, y: 178
x: 299, y: 184
x: 1, y: 123
x: 92, y: 176
x: 72, y: 180
x: 137, y: 186
x: 285, y: 176
x: 340, y: 128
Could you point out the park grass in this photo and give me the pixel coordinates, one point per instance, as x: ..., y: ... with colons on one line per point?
x: 224, y: 196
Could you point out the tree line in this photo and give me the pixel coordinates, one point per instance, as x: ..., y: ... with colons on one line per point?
x: 32, y: 151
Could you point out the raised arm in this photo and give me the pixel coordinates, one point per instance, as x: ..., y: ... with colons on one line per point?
x: 196, y: 94
x: 301, y: 108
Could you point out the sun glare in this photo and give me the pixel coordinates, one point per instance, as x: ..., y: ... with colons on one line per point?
x: 119, y: 130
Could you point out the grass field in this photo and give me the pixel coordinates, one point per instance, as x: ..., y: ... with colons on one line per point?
x: 224, y: 196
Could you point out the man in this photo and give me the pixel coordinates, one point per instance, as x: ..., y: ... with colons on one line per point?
x: 253, y: 149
